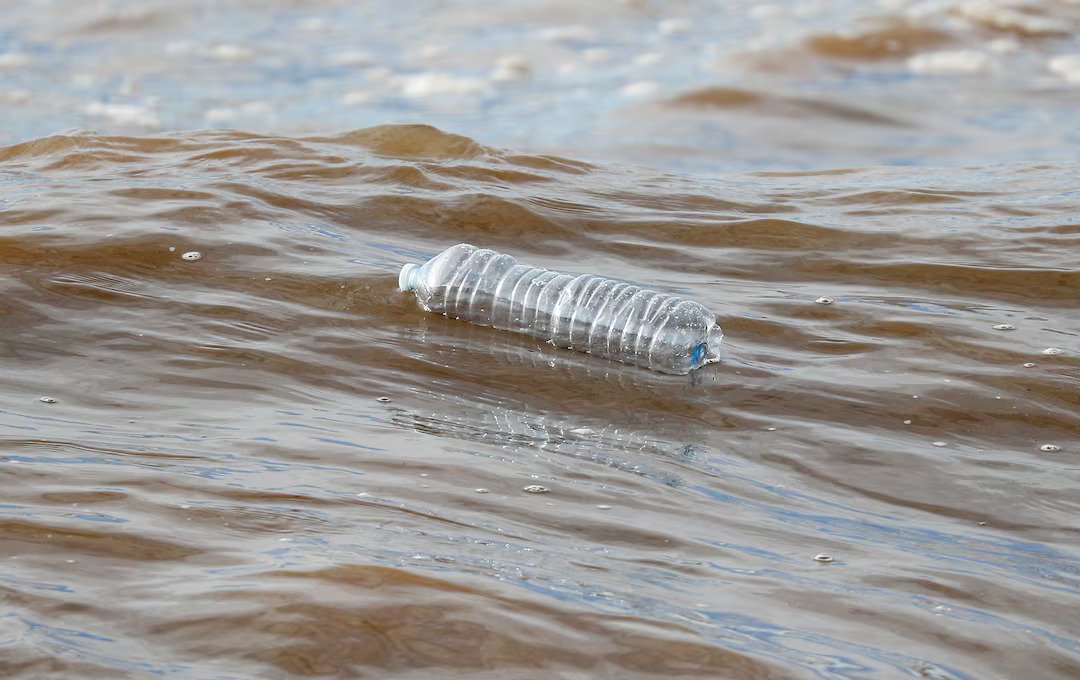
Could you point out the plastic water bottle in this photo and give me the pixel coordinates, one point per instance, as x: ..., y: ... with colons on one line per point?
x: 612, y: 319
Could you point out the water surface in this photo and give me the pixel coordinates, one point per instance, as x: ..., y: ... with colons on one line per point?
x: 268, y: 463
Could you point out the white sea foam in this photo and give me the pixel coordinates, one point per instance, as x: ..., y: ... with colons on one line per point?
x: 124, y: 114
x: 1067, y: 66
x: 14, y: 60
x: 952, y: 62
x: 432, y: 84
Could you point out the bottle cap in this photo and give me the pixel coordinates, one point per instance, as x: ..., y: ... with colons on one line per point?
x: 407, y: 279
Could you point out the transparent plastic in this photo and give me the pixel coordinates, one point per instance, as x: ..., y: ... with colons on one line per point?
x: 611, y: 319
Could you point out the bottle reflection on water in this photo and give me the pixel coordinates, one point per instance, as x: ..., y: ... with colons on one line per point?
x: 637, y: 451
x: 525, y: 397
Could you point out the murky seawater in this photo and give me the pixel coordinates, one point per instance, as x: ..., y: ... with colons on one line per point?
x: 266, y: 462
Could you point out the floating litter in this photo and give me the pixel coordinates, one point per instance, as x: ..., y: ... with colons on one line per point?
x: 1053, y: 350
x: 47, y: 400
x: 535, y: 488
x: 824, y: 301
x: 822, y: 557
x: 1004, y: 327
x: 491, y: 289
x: 1049, y: 447
x: 192, y: 256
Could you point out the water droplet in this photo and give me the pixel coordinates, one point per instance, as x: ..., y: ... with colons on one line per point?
x: 1004, y: 327
x: 192, y: 256
x: 1053, y: 350
x: 1049, y: 447
x: 535, y: 488
x: 47, y: 400
x: 939, y: 444
x: 824, y: 301
x: 822, y: 557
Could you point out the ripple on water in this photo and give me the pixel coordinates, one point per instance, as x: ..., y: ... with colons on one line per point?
x: 293, y: 470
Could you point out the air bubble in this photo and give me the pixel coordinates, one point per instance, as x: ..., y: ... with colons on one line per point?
x: 535, y: 488
x: 1029, y: 365
x: 822, y: 557
x: 47, y: 400
x: 940, y: 444
x: 824, y: 301
x: 1053, y: 350
x: 383, y: 400
x: 1049, y: 447
x: 192, y: 256
x: 1004, y: 327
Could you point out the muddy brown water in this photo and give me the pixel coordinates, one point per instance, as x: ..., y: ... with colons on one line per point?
x: 268, y: 463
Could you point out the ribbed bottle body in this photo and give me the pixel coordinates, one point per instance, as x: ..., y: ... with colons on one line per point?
x: 588, y: 313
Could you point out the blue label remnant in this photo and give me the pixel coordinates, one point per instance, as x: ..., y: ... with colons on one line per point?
x: 699, y: 352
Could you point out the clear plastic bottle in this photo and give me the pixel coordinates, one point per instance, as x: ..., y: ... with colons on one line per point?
x: 612, y: 319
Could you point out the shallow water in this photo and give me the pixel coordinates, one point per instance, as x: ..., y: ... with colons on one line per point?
x: 267, y: 462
